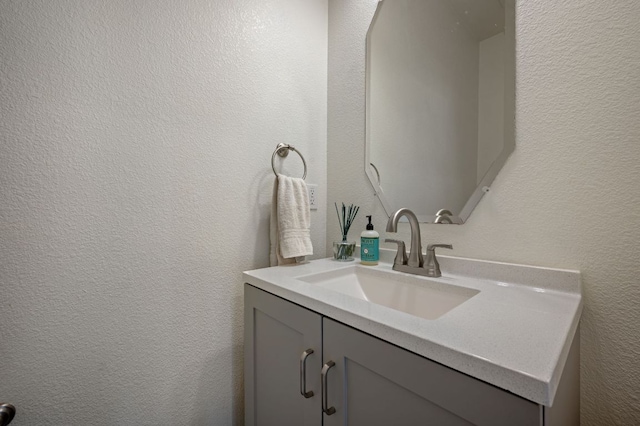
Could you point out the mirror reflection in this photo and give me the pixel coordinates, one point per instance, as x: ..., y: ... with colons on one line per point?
x: 440, y: 102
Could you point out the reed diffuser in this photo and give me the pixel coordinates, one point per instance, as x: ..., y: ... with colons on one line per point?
x: 343, y: 250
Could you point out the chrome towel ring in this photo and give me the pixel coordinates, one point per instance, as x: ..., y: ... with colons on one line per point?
x: 283, y: 150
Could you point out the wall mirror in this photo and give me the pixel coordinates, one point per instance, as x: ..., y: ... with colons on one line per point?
x: 440, y: 101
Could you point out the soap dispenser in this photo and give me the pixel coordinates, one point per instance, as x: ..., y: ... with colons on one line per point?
x: 369, y: 245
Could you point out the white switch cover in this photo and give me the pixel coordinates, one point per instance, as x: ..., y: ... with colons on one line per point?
x: 313, y: 196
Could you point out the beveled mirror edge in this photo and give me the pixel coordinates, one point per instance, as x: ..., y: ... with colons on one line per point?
x: 509, y: 130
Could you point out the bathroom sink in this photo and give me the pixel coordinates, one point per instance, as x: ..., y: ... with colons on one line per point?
x: 412, y: 294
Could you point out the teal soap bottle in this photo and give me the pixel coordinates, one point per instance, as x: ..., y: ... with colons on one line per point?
x: 369, y: 245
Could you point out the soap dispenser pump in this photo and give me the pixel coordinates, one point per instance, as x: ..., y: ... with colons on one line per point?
x: 369, y: 245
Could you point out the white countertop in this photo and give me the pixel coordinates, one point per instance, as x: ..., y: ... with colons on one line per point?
x: 515, y: 334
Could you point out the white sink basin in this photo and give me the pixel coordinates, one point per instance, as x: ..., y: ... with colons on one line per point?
x: 413, y: 294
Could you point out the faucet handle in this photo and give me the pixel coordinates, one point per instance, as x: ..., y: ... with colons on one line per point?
x: 401, y: 255
x: 431, y: 262
x: 432, y: 247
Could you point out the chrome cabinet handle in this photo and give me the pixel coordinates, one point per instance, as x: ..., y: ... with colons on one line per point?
x: 303, y: 374
x: 325, y: 369
x: 7, y: 412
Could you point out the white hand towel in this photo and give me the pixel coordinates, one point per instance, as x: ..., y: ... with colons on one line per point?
x: 290, y: 221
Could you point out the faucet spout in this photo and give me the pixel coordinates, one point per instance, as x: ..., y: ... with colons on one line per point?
x: 415, y: 256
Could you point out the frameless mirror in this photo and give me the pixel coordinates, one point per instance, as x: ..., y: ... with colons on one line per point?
x: 440, y: 103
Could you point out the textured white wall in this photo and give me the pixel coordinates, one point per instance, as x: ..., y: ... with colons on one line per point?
x: 135, y: 186
x: 569, y: 196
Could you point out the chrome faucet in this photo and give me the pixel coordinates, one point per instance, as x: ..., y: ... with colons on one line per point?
x: 415, y: 255
x: 414, y: 263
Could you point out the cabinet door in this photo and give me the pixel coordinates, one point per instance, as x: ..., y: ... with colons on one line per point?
x: 277, y: 333
x: 376, y: 383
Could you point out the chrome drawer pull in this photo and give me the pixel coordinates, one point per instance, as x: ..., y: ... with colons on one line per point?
x: 325, y: 369
x: 303, y: 374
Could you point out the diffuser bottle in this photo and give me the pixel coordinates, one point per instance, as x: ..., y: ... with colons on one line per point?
x: 369, y: 245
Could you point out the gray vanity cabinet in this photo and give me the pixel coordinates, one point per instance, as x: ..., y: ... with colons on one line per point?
x: 277, y: 333
x: 369, y: 381
x: 376, y: 383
